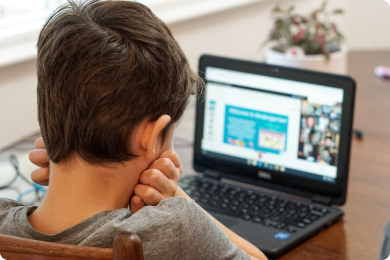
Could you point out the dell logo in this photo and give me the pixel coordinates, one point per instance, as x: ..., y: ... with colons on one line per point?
x: 264, y: 175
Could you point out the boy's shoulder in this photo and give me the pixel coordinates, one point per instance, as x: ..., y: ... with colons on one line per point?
x: 10, y: 216
x: 6, y: 204
x: 10, y: 208
x: 157, y: 226
x: 167, y: 218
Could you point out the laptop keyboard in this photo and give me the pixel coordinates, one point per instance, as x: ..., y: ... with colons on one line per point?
x: 261, y: 208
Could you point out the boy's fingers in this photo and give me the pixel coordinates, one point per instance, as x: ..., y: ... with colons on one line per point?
x: 173, y: 156
x: 39, y: 144
x: 41, y: 176
x: 39, y: 157
x: 166, y: 166
x: 148, y: 194
x: 158, y: 181
x: 136, y: 204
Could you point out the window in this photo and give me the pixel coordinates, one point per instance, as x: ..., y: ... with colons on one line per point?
x: 24, y: 16
x: 21, y: 20
x: 18, y: 17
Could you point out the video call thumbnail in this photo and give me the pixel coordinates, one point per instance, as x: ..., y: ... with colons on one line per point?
x: 319, y: 133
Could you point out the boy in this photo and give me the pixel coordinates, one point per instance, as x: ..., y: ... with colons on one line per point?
x: 112, y: 83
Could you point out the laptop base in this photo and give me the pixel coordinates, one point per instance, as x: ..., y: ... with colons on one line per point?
x: 274, y: 224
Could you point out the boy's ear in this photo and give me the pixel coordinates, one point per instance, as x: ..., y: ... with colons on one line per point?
x: 151, y: 132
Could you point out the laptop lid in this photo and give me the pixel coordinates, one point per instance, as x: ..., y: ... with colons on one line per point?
x: 275, y: 127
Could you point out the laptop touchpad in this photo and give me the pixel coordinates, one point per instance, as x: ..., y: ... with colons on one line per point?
x: 226, y: 221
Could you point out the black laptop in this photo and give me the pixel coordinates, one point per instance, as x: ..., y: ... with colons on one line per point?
x: 273, y: 146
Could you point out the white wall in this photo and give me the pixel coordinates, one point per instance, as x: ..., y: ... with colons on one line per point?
x: 367, y: 24
x: 18, y: 109
x: 235, y: 33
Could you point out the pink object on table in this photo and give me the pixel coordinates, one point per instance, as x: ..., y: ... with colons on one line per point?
x: 382, y: 71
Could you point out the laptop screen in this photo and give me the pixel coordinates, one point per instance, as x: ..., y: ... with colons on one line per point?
x: 271, y: 123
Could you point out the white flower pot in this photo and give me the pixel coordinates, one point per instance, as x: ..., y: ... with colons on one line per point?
x: 336, y: 64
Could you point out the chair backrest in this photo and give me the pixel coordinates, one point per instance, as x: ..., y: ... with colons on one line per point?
x: 127, y: 246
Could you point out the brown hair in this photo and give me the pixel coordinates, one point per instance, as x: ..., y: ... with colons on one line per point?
x: 103, y: 67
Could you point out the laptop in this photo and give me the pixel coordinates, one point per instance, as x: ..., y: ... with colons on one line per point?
x: 272, y: 145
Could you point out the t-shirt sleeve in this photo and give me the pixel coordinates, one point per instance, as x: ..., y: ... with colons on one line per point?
x: 203, y: 239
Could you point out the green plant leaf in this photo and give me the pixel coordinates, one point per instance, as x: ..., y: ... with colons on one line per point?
x: 276, y: 9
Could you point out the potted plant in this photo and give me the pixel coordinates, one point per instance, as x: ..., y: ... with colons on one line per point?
x: 307, y: 42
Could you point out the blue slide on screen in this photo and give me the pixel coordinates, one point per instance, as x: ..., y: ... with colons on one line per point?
x: 261, y: 131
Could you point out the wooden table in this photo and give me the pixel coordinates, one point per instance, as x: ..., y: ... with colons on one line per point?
x: 358, y: 236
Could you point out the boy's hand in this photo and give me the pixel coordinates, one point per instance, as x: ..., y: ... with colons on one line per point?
x: 158, y: 182
x: 39, y: 158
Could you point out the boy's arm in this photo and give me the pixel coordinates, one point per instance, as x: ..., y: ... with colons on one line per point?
x: 244, y: 245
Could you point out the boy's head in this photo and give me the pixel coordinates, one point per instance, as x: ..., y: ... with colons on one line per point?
x: 103, y: 68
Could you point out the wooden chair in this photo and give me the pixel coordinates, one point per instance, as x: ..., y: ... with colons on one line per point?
x: 127, y: 246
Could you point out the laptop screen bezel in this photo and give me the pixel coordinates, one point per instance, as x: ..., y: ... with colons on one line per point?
x: 306, y: 187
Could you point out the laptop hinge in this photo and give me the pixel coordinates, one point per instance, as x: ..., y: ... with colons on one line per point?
x: 212, y: 174
x: 322, y: 200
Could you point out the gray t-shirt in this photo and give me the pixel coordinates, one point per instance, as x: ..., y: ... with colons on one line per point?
x: 177, y: 228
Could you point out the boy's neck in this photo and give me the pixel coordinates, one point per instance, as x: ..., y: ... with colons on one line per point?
x: 78, y: 191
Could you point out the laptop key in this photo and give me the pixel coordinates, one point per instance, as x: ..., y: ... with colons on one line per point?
x: 246, y: 205
x: 277, y: 218
x: 257, y: 220
x: 256, y: 208
x: 246, y: 217
x: 297, y: 224
x: 236, y: 203
x: 301, y: 225
x: 291, y: 230
x: 316, y: 213
x: 280, y: 226
x: 269, y: 223
x: 303, y: 215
